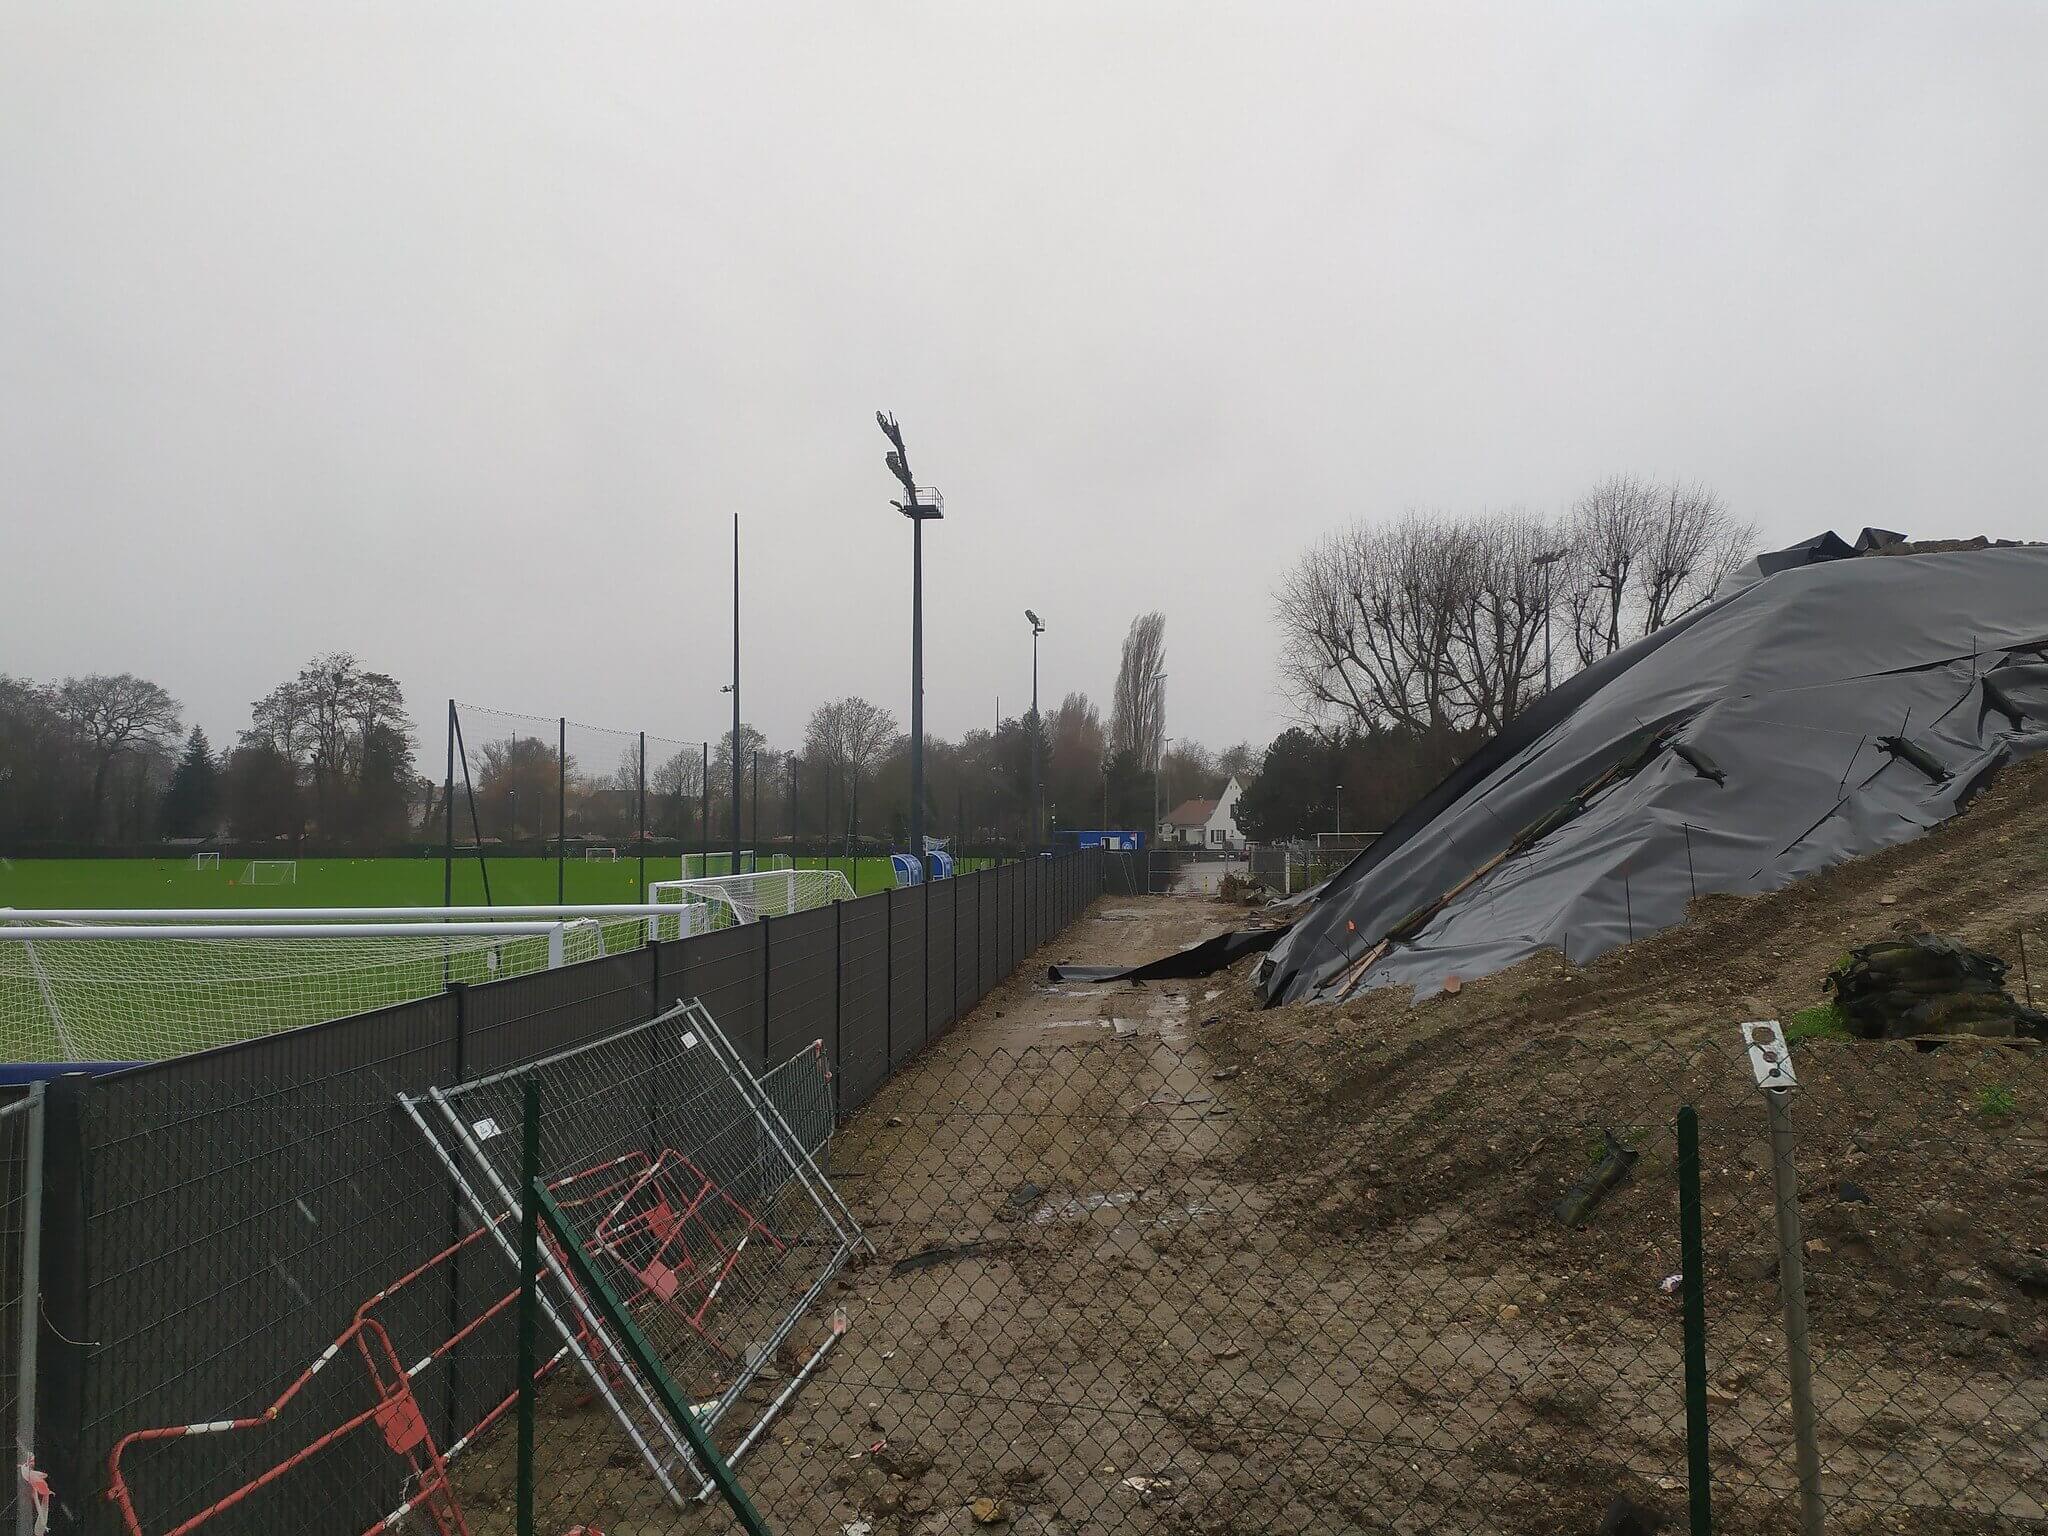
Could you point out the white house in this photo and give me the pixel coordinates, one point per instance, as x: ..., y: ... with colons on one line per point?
x: 1205, y: 823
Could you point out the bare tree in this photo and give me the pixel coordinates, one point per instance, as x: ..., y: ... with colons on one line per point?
x: 1137, y: 711
x: 1642, y: 555
x: 850, y: 735
x: 1432, y: 624
x: 117, y: 715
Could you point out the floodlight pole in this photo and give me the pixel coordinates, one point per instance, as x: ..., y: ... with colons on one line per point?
x: 920, y: 506
x: 735, y: 694
x: 1158, y: 749
x: 1340, y: 811
x: 1037, y: 782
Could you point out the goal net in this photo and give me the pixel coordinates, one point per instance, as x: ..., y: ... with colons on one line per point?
x: 145, y: 992
x: 697, y: 1201
x: 206, y: 861
x: 271, y: 872
x: 725, y: 901
x: 700, y: 866
x: 600, y: 855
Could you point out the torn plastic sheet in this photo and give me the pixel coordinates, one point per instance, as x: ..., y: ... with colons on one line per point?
x: 1203, y: 959
x: 1583, y: 825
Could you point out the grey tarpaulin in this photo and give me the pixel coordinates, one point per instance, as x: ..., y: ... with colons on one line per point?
x: 1203, y: 959
x: 1821, y: 712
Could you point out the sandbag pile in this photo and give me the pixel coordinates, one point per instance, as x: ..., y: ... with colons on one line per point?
x: 1927, y: 985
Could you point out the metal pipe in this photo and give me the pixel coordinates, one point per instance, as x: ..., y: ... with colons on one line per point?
x: 1792, y: 1290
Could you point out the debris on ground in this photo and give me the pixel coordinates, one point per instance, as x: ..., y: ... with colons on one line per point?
x: 1616, y: 1162
x: 1924, y: 984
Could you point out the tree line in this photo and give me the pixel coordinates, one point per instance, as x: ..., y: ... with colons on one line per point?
x: 1406, y: 643
x: 104, y: 759
x: 328, y: 761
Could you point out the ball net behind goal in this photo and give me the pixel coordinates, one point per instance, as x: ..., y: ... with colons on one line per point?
x: 727, y: 901
x: 64, y: 998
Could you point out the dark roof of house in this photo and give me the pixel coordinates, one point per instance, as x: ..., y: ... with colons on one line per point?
x: 1191, y: 813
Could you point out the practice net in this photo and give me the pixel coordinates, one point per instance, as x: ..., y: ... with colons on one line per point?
x: 727, y: 901
x: 146, y: 993
x: 271, y: 872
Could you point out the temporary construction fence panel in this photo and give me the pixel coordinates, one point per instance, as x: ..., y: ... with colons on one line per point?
x: 693, y: 1194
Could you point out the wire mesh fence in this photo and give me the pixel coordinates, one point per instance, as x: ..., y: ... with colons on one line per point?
x: 1271, y: 1283
x: 1146, y: 1258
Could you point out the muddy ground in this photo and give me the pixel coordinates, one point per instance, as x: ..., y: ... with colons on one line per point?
x: 1151, y: 1259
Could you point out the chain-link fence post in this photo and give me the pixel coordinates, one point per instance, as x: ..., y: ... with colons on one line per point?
x: 1692, y: 1260
x: 1771, y: 1060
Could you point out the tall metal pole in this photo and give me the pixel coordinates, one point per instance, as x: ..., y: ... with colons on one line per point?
x: 920, y: 506
x: 917, y: 691
x: 1792, y: 1289
x: 1037, y: 780
x: 561, y: 809
x: 735, y: 694
x: 640, y: 798
x: 448, y: 829
x: 1158, y: 749
x: 755, y: 815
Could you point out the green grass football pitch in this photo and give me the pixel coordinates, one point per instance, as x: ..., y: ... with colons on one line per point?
x: 356, y: 882
x: 169, y: 998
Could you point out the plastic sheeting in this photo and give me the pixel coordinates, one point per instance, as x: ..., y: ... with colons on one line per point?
x: 1819, y: 713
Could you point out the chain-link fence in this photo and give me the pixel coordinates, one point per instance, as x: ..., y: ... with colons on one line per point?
x: 1294, y: 1282
x: 1145, y: 1258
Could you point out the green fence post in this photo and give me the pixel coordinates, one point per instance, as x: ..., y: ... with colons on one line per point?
x: 635, y: 1344
x: 529, y: 1287
x: 1692, y: 1263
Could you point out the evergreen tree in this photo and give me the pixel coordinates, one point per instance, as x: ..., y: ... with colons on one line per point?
x: 193, y: 798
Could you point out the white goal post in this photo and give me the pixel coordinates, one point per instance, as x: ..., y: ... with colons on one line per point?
x: 206, y: 861
x: 271, y: 872
x: 727, y: 901
x: 600, y: 855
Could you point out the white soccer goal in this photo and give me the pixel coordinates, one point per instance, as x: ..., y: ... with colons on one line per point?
x: 271, y: 872
x: 725, y: 901
x: 702, y: 866
x: 206, y: 861
x: 108, y: 991
x: 600, y: 855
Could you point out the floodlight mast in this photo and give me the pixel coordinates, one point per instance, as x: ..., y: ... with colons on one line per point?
x: 1037, y: 781
x: 923, y: 504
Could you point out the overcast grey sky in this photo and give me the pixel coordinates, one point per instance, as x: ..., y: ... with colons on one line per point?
x: 453, y: 334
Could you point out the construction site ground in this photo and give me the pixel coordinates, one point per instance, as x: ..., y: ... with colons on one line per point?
x: 1151, y: 1258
